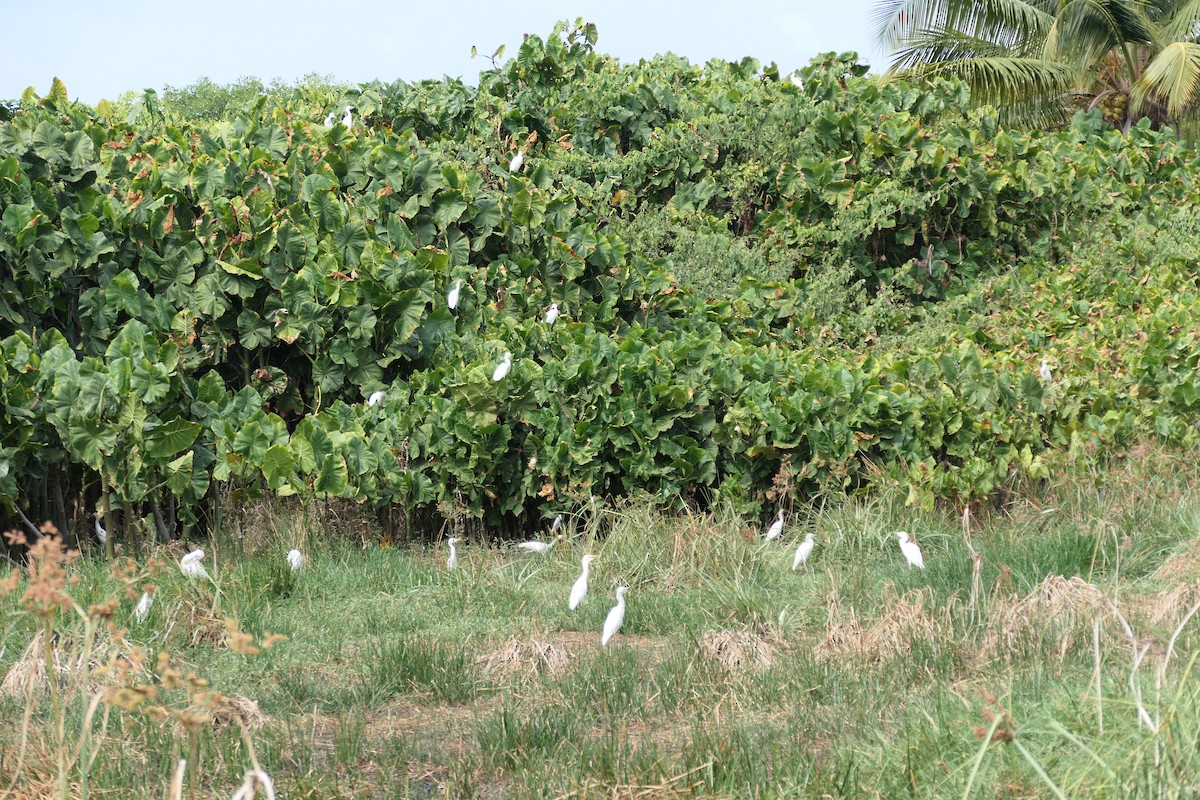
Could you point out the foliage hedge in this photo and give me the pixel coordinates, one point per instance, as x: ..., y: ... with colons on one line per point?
x: 194, y: 309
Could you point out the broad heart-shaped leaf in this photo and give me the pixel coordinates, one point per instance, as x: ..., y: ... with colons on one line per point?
x: 328, y: 211
x: 448, y: 208
x: 90, y: 440
x: 478, y: 404
x: 333, y: 477
x: 350, y: 242
x: 170, y: 438
x: 244, y: 269
x: 528, y: 211
x: 407, y: 309
x: 278, y: 465
x: 179, y: 474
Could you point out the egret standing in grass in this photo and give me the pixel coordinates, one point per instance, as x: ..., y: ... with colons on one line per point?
x: 101, y: 534
x: 1044, y: 371
x: 579, y: 588
x: 452, y: 561
x: 538, y: 547
x: 295, y: 560
x: 911, y: 550
x: 503, y: 367
x: 143, y: 607
x: 551, y: 313
x: 376, y: 397
x: 554, y: 526
x: 803, y: 552
x: 452, y: 295
x: 517, y: 162
x: 776, y: 528
x: 190, y: 565
x: 612, y: 623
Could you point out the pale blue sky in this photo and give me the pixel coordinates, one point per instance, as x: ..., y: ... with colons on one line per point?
x: 103, y: 49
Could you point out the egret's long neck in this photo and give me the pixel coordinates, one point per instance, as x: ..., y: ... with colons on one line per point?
x: 586, y: 566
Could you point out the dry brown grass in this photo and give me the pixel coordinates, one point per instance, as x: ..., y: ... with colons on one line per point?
x: 740, y: 649
x: 27, y: 675
x: 907, y: 619
x: 523, y: 658
x: 1058, y: 605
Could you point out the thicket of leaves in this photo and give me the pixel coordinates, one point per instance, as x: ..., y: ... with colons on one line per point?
x: 193, y: 310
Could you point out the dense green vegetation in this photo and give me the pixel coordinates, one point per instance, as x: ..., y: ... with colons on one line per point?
x: 771, y: 293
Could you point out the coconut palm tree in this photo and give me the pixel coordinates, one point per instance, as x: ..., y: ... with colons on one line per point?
x: 1039, y: 61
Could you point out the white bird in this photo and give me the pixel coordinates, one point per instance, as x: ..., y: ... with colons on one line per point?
x: 1044, y: 371
x: 348, y: 120
x: 538, y: 547
x: 503, y: 367
x: 517, y: 162
x: 329, y: 120
x: 295, y: 560
x: 452, y: 561
x: 797, y: 81
x: 143, y: 607
x: 776, y: 528
x: 191, y: 566
x: 911, y: 550
x: 551, y: 313
x: 101, y: 534
x: 612, y: 623
x: 375, y: 397
x: 452, y: 296
x: 579, y: 588
x: 803, y: 551
x: 554, y: 526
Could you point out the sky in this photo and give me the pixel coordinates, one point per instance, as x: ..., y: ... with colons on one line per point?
x: 101, y: 50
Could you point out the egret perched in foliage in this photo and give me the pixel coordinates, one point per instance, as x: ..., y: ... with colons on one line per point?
x: 295, y: 560
x: 517, y: 162
x: 452, y: 295
x: 503, y: 367
x: 579, y: 588
x: 452, y: 561
x: 101, y: 534
x: 1044, y: 371
x: 554, y: 526
x: 776, y: 528
x: 191, y: 566
x: 538, y: 547
x: 797, y: 81
x: 551, y: 313
x: 348, y: 120
x: 376, y: 397
x: 329, y: 120
x: 143, y: 607
x: 911, y: 550
x: 612, y: 623
x: 803, y: 551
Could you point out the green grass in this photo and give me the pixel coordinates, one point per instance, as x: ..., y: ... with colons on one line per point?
x: 857, y: 676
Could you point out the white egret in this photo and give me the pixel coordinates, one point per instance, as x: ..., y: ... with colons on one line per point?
x: 1044, y: 371
x: 191, y: 566
x: 101, y: 534
x: 452, y: 561
x: 538, y: 547
x: 911, y: 550
x: 554, y: 526
x: 295, y: 560
x: 551, y: 313
x: 797, y: 81
x: 143, y: 607
x: 348, y: 120
x: 329, y: 120
x: 376, y: 397
x: 452, y: 296
x: 517, y: 162
x: 579, y: 589
x: 503, y: 367
x: 612, y: 623
x: 776, y: 528
x: 803, y: 551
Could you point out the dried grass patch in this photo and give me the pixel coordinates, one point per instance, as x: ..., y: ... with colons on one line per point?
x: 1168, y: 606
x: 905, y: 621
x: 523, y: 658
x: 1057, y: 605
x: 28, y: 674
x: 739, y: 650
x: 1181, y: 566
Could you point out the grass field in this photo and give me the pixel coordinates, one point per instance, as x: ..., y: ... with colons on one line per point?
x: 1010, y: 675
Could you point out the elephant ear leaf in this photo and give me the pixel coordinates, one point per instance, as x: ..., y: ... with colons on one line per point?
x: 171, y: 438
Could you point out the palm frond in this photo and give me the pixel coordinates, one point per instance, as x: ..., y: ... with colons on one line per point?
x: 1004, y: 22
x: 1173, y: 78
